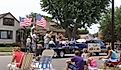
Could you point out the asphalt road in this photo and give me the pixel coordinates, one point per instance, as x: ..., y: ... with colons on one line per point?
x: 58, y: 63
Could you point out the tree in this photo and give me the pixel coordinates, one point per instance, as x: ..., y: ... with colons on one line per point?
x: 106, y: 25
x: 74, y: 14
x: 33, y: 15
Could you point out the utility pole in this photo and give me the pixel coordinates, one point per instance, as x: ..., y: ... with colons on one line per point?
x: 112, y: 26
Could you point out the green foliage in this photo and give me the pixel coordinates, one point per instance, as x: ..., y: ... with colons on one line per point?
x: 84, y: 11
x: 74, y: 14
x: 6, y: 49
x: 33, y: 15
x: 106, y: 25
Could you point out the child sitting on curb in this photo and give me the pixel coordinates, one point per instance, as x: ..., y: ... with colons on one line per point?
x: 92, y: 64
x: 78, y: 62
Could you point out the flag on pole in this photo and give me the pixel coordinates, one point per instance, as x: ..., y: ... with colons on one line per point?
x: 40, y: 21
x: 22, y: 23
x: 25, y: 21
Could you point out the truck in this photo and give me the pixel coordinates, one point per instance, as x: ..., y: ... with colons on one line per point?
x: 93, y: 46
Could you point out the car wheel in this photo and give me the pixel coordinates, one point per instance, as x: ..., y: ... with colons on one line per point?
x: 97, y: 54
x: 55, y: 54
x: 61, y: 54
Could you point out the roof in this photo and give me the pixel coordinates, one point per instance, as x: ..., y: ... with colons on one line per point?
x: 53, y: 23
x: 4, y: 14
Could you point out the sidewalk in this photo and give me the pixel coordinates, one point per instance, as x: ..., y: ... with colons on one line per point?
x: 5, y: 53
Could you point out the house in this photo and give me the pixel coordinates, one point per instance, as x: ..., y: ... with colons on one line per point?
x: 50, y: 26
x: 8, y: 27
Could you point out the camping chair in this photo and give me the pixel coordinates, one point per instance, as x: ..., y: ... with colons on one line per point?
x: 115, y: 65
x: 27, y: 60
x: 45, y: 60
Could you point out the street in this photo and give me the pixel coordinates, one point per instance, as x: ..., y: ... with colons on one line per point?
x: 58, y: 63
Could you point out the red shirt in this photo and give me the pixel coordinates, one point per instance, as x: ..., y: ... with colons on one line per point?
x: 18, y: 56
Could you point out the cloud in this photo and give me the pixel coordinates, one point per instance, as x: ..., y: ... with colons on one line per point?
x: 21, y: 7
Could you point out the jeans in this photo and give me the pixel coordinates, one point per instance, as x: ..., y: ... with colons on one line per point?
x: 46, y: 45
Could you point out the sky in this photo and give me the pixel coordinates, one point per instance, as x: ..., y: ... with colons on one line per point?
x: 25, y: 7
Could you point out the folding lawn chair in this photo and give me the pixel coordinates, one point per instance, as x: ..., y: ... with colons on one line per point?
x: 27, y: 60
x: 44, y: 62
x: 115, y: 65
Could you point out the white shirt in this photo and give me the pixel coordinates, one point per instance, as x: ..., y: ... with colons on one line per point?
x: 28, y: 40
x: 46, y: 38
x: 84, y: 56
x: 51, y: 42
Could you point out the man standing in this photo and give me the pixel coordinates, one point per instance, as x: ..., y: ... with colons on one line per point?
x: 47, y: 38
x: 28, y: 44
x: 34, y: 37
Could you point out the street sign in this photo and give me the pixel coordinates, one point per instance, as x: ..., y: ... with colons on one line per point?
x: 94, y: 47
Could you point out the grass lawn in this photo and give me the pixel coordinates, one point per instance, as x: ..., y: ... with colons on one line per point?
x: 6, y: 49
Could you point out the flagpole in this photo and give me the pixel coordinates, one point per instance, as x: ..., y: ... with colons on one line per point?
x: 34, y: 44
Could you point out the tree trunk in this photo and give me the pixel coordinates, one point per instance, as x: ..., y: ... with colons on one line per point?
x: 74, y: 32
x: 68, y: 33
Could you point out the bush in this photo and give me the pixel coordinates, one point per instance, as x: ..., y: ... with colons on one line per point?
x: 8, y: 45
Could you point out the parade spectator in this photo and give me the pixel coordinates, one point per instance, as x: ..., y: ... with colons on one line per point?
x: 92, y: 64
x: 39, y: 50
x: 112, y: 57
x: 34, y: 40
x: 47, y: 38
x: 28, y: 44
x: 17, y: 58
x: 57, y: 39
x: 78, y: 62
x: 85, y: 57
x: 51, y: 43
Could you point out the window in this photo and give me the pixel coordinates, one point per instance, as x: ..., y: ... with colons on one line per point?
x: 6, y: 34
x: 8, y: 21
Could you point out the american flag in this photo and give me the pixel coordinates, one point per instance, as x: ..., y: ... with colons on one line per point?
x: 40, y: 21
x: 25, y: 21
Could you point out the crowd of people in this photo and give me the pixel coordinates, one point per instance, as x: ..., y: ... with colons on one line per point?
x: 85, y: 61
x: 82, y: 60
x: 51, y: 39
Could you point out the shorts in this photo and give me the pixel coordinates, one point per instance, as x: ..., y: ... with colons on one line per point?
x: 108, y: 61
x: 72, y: 66
x: 92, y: 68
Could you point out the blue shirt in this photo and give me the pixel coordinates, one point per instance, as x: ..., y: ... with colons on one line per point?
x: 79, y: 62
x: 114, y: 55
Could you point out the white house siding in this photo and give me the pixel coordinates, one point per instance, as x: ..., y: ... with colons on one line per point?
x: 12, y: 28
